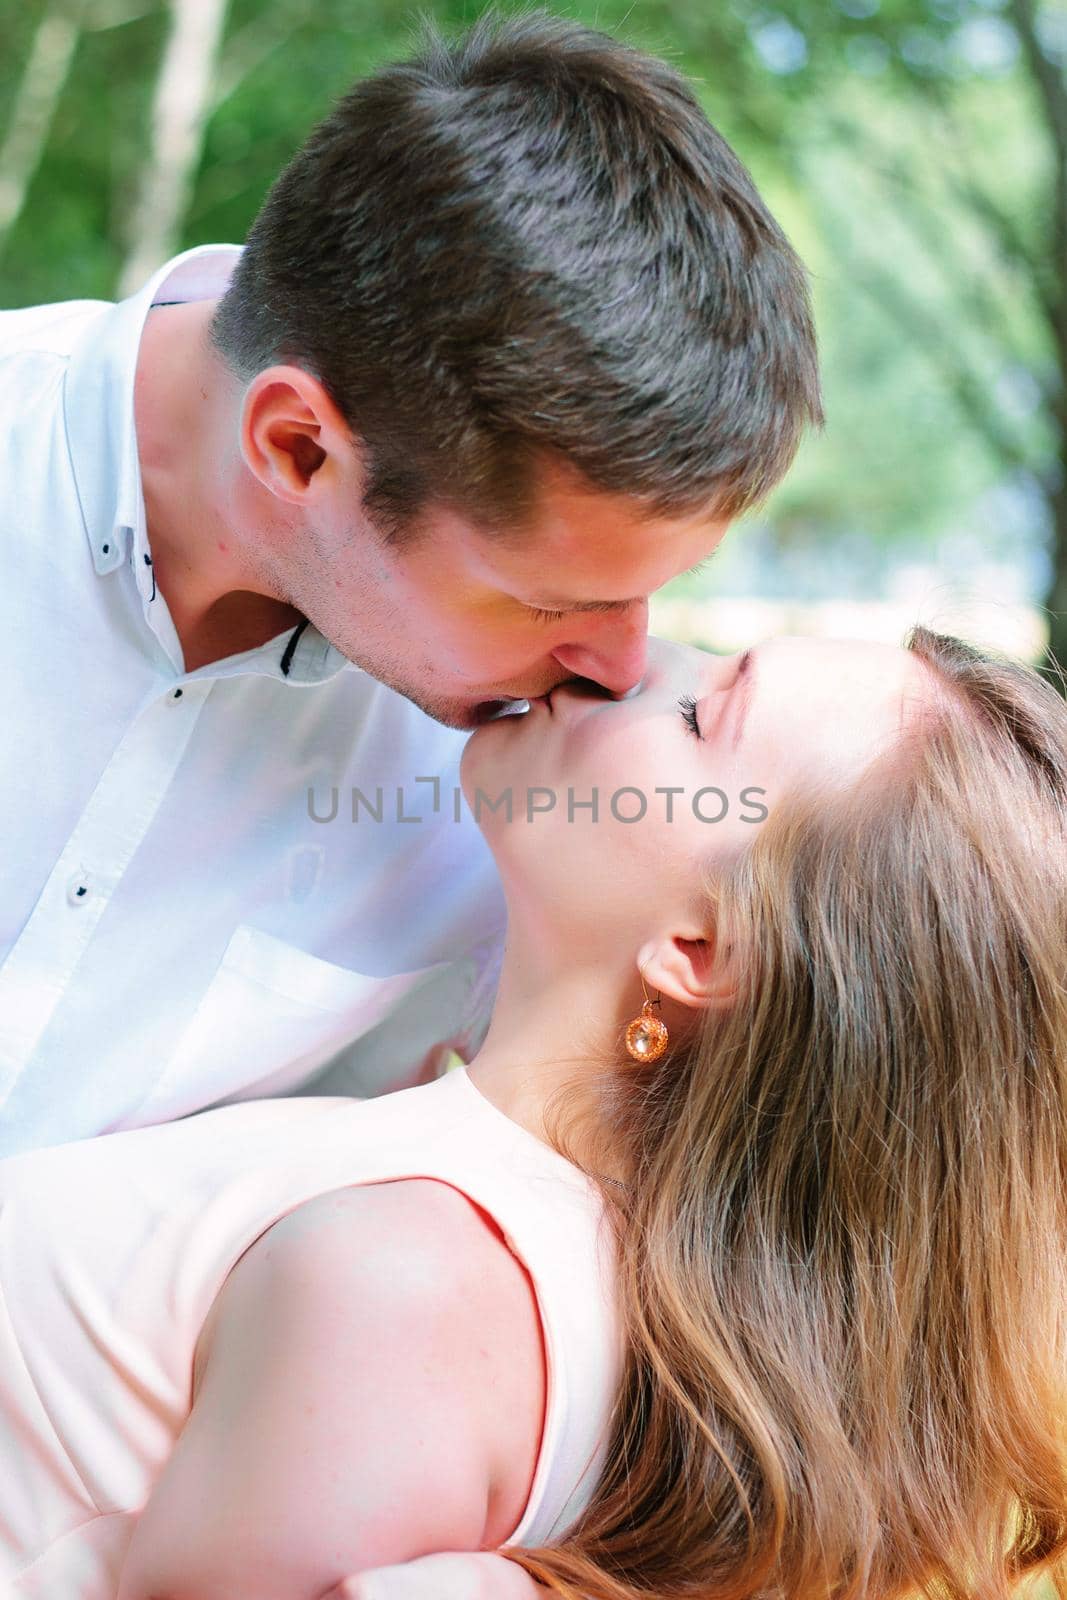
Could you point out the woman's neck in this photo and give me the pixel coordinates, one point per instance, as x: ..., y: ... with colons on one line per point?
x: 555, y: 1030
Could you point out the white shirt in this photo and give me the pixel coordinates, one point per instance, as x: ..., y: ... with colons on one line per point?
x: 176, y: 926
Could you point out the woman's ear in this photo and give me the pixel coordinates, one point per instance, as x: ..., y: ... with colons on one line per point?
x: 699, y: 973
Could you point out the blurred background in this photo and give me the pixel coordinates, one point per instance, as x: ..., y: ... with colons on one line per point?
x: 914, y: 150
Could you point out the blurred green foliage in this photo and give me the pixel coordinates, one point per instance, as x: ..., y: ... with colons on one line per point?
x: 915, y: 151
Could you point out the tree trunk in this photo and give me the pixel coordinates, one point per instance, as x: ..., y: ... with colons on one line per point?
x: 181, y: 107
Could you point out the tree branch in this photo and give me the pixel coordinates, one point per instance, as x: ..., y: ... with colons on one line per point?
x: 969, y: 388
x: 1052, y: 92
x: 251, y: 45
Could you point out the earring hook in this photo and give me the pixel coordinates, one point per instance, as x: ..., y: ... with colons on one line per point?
x: 646, y: 1036
x: 658, y: 1001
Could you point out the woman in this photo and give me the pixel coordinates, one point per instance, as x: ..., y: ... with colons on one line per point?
x: 839, y: 1237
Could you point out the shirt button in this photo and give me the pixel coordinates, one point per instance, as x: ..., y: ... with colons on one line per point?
x: 174, y: 696
x: 78, y: 888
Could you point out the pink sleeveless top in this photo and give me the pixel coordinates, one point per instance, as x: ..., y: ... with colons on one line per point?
x: 112, y: 1250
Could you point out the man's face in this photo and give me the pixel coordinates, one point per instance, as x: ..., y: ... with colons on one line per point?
x: 461, y: 623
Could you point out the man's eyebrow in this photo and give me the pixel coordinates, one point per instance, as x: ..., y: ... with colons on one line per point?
x: 554, y: 604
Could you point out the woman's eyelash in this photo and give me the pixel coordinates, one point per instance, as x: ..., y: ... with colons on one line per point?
x: 546, y: 616
x: 688, y: 707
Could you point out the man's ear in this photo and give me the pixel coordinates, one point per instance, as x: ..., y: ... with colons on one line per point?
x: 293, y: 437
x: 700, y: 973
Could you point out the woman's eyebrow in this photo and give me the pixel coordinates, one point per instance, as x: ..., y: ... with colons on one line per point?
x: 745, y: 683
x: 737, y: 699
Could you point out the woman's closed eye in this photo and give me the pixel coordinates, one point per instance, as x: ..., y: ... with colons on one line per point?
x: 688, y: 707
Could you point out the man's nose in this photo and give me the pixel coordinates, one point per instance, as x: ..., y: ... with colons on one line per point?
x: 614, y: 653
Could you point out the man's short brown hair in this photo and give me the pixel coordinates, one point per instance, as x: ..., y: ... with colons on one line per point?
x: 532, y: 241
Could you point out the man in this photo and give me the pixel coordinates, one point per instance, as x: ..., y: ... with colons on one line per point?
x: 511, y: 341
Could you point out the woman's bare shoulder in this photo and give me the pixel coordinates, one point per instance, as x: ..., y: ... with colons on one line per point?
x: 438, y: 1267
x: 372, y: 1388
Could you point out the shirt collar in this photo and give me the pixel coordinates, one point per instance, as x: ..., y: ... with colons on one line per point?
x: 101, y: 431
x: 99, y: 399
x: 299, y: 656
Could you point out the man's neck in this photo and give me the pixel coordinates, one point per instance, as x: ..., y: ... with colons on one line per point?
x: 237, y: 622
x: 181, y: 409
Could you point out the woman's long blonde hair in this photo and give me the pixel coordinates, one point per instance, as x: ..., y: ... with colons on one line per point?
x: 844, y: 1263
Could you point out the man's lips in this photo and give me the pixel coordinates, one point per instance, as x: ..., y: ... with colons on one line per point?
x: 496, y: 710
x: 492, y: 710
x: 576, y: 688
x: 500, y: 709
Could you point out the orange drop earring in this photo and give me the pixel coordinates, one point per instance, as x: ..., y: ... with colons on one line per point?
x: 647, y: 1036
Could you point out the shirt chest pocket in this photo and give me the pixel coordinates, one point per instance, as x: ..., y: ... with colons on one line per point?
x: 271, y: 1016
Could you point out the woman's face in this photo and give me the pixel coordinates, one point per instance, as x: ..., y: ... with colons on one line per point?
x: 616, y: 805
